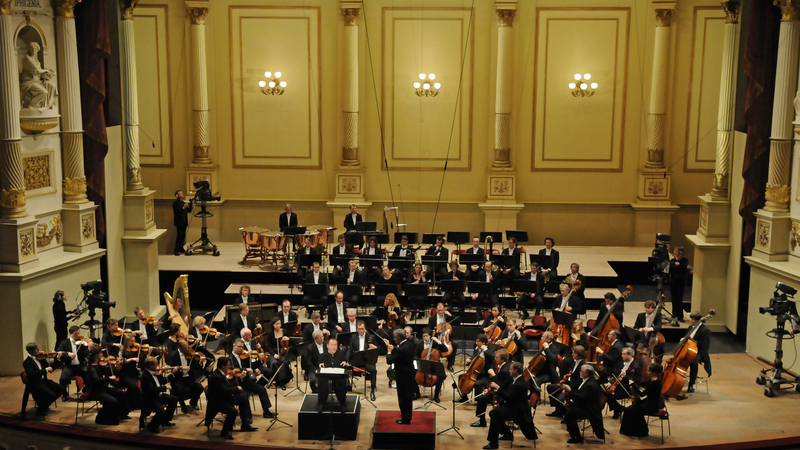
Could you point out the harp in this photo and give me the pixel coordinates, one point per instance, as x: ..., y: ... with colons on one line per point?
x: 180, y: 291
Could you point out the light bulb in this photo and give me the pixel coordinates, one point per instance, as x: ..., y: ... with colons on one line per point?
x: 586, y: 76
x: 262, y: 84
x: 283, y: 84
x: 431, y: 76
x: 437, y: 85
x: 594, y: 85
x: 426, y: 86
x: 583, y: 85
x: 572, y: 85
x: 278, y: 75
x: 272, y: 84
x: 577, y: 76
x: 422, y: 76
x: 417, y: 85
x: 267, y: 74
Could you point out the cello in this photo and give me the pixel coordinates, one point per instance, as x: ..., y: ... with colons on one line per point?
x: 676, y: 371
x: 443, y: 331
x: 423, y: 379
x: 495, y: 331
x: 466, y: 381
x: 598, y: 338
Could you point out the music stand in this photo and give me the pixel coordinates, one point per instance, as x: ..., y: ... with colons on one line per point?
x: 412, y: 237
x: 296, y: 351
x: 293, y: 231
x: 370, y: 322
x: 361, y: 360
x: 453, y: 285
x: 354, y: 238
x: 471, y: 259
x: 382, y: 238
x: 416, y: 290
x: 480, y: 287
x: 430, y: 238
x: 343, y: 338
x: 521, y: 236
x: 309, y: 260
x: 362, y: 227
x: 538, y: 259
x: 318, y: 291
x: 635, y: 336
x: 501, y: 260
x: 458, y: 238
x: 275, y: 386
x: 526, y: 286
x: 349, y: 290
x: 397, y: 262
x: 563, y: 318
x: 383, y: 289
x: 465, y: 333
x: 428, y: 367
x: 433, y: 262
x: 497, y: 236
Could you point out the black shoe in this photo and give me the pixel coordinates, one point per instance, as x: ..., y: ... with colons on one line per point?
x: 226, y: 435
x: 372, y: 395
x: 436, y: 398
x: 269, y: 414
x: 154, y: 430
x: 177, y: 254
x: 305, y: 377
x: 554, y: 414
x: 283, y: 386
x: 403, y: 422
x: 248, y: 428
x: 462, y: 399
x: 343, y: 408
x: 577, y: 440
x: 450, y: 368
x: 185, y: 409
x: 478, y: 424
x: 320, y: 408
x: 690, y: 389
x: 616, y: 415
x: 506, y: 437
x: 168, y: 424
x: 41, y: 412
x: 490, y: 446
x: 65, y: 398
x: 195, y: 407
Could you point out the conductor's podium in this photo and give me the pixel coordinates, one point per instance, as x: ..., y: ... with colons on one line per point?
x: 330, y: 423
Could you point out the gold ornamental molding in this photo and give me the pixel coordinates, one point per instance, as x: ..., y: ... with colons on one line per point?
x: 127, y: 7
x: 731, y: 9
x: 197, y: 15
x: 66, y: 8
x: 75, y: 190
x: 5, y: 7
x: 664, y: 17
x: 506, y: 17
x: 778, y: 194
x: 790, y: 9
x: 351, y: 17
x: 13, y: 200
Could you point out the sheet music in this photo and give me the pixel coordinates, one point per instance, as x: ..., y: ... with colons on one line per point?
x: 332, y: 370
x: 220, y: 317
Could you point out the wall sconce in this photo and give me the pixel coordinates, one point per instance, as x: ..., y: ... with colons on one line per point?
x: 426, y: 87
x: 582, y: 88
x: 276, y: 86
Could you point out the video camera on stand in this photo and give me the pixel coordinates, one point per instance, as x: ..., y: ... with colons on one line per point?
x: 783, y: 309
x: 204, y: 195
x: 93, y: 298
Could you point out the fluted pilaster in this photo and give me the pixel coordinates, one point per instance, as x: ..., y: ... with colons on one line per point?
x: 502, y: 121
x: 74, y: 184
x: 726, y: 97
x: 130, y: 97
x: 201, y: 153
x: 658, y: 91
x: 778, y: 189
x: 12, y: 183
x: 350, y: 145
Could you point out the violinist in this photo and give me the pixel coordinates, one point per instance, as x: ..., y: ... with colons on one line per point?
x: 548, y: 373
x: 578, y: 334
x: 430, y: 344
x: 495, y: 317
x: 249, y: 344
x: 175, y: 335
x: 612, y: 359
x: 512, y: 333
x: 244, y: 320
x: 360, y: 342
x: 315, y: 325
x: 273, y: 346
x: 438, y: 321
x: 390, y: 312
x: 501, y: 377
x: 143, y: 329
x: 112, y: 338
x: 609, y: 301
x: 454, y: 297
x: 437, y: 250
x: 571, y: 370
x: 550, y: 264
x: 203, y: 335
x: 286, y: 314
x: 481, y: 351
x: 102, y: 389
x: 537, y: 295
x: 567, y: 301
x: 61, y: 316
x: 417, y: 276
x: 224, y: 396
x: 312, y: 358
x: 184, y: 379
x: 73, y: 358
x: 678, y: 273
x: 585, y: 404
x: 702, y: 336
x: 333, y: 357
x: 252, y: 368
x: 129, y: 370
x: 513, y: 406
x: 44, y: 391
x: 629, y: 371
x: 633, y: 422
x: 648, y: 321
x: 474, y: 250
x: 314, y: 277
x: 336, y: 314
x: 155, y: 396
x: 512, y: 271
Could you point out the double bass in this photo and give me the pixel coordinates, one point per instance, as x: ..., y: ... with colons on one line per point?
x: 676, y: 371
x: 598, y: 338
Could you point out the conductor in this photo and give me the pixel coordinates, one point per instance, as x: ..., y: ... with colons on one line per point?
x: 402, y: 356
x: 333, y: 358
x: 181, y: 210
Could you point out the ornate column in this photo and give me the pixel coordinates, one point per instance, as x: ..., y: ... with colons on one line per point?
x: 350, y: 107
x: 197, y: 13
x: 130, y: 95
x: 70, y: 96
x: 658, y: 91
x: 502, y: 105
x: 12, y: 183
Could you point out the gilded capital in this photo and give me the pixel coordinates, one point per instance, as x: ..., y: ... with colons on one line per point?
x: 197, y: 15
x: 66, y: 8
x: 506, y: 17
x: 351, y: 16
x: 790, y: 10
x: 731, y: 9
x: 664, y: 17
x: 5, y: 7
x: 127, y: 7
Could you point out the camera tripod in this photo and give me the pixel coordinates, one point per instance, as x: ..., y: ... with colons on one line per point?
x: 204, y: 244
x: 773, y: 378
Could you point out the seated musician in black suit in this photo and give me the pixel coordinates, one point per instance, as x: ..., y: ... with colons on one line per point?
x: 424, y: 349
x: 512, y: 270
x: 353, y: 219
x: 501, y: 377
x: 550, y: 262
x: 315, y: 277
x: 253, y: 368
x: 144, y: 330
x: 337, y: 314
x: 513, y: 334
x: 438, y: 250
x: 628, y: 373
x: 244, y: 320
x: 481, y: 351
x: 567, y: 302
x: 609, y: 300
x: 494, y: 278
x: 570, y: 374
x: 104, y: 389
x: 456, y: 297
x: 577, y: 283
x: 44, y: 391
x: 244, y: 296
x: 316, y: 324
x: 307, y: 249
x: 372, y: 260
x: 417, y: 276
x: 312, y: 358
x: 404, y: 251
x: 474, y: 250
x: 514, y: 406
x: 333, y: 358
x: 353, y: 276
x: 437, y: 321
x: 649, y: 321
x: 360, y: 342
x: 285, y: 313
x: 73, y: 358
x: 341, y: 249
x: 548, y: 373
x: 585, y: 404
x: 184, y: 379
x: 612, y: 359
x: 537, y: 296
x: 155, y: 396
x: 224, y: 396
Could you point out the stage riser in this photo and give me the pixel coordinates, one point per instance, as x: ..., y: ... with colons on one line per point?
x: 393, y: 436
x: 315, y: 425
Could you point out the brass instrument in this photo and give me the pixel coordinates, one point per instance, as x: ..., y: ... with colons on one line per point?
x: 180, y: 291
x: 487, y: 246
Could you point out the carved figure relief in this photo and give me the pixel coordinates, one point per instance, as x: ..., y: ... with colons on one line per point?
x: 87, y: 226
x: 349, y: 185
x: 762, y: 236
x: 148, y: 211
x: 37, y: 84
x: 26, y: 243
x: 501, y: 186
x: 704, y: 217
x: 655, y: 187
x: 37, y: 172
x: 45, y: 236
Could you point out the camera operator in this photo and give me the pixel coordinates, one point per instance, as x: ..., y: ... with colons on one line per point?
x: 181, y: 210
x: 61, y: 316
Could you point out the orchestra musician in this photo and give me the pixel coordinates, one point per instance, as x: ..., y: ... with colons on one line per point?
x: 494, y: 317
x: 572, y: 279
x: 200, y: 331
x: 512, y: 271
x: 350, y: 325
x: 352, y: 220
x: 360, y: 342
x: 494, y: 278
x: 154, y: 395
x: 501, y: 377
x: 288, y: 218
x: 481, y: 351
x: 286, y: 314
x: 372, y: 260
x: 44, y: 391
x: 73, y: 358
x: 244, y: 296
x: 438, y: 250
x: 430, y: 344
x: 388, y: 277
x: 253, y: 368
x: 244, y: 320
x: 336, y: 314
x: 633, y: 422
x: 273, y: 347
x: 353, y: 276
x: 548, y: 373
x: 184, y: 379
x: 702, y: 336
x: 678, y: 273
x: 585, y: 403
x: 404, y: 251
x: 550, y: 264
x: 307, y: 249
x: 111, y: 342
x: 180, y: 312
x: 333, y: 357
x: 224, y: 396
x: 578, y: 334
x: 102, y: 389
x: 537, y: 295
x: 618, y: 311
x: 174, y: 335
x: 648, y: 321
x: 568, y: 301
x: 129, y: 370
x: 571, y: 371
x: 441, y: 317
x: 401, y: 355
x: 61, y: 316
x: 180, y: 212
x: 315, y: 325
x: 514, y: 406
x: 511, y: 332
x: 455, y: 297
x: 474, y: 250
x: 313, y: 357
x: 143, y: 330
x: 628, y: 372
x: 612, y: 359
x: 417, y: 276
x: 341, y: 249
x: 391, y: 310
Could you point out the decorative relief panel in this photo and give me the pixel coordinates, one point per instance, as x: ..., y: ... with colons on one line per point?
x: 501, y: 186
x: 656, y: 187
x: 349, y: 185
x: 148, y: 211
x: 39, y: 172
x: 794, y: 235
x: 26, y: 243
x: 87, y: 227
x: 704, y: 216
x: 762, y: 234
x: 47, y: 232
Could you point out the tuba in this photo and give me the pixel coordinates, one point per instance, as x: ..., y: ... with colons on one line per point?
x: 180, y: 291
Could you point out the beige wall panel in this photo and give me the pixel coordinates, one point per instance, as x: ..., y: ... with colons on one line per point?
x: 418, y: 129
x: 574, y: 224
x: 280, y: 130
x: 152, y: 75
x: 580, y: 133
x: 702, y: 116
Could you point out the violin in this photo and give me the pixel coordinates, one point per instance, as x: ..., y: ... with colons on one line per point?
x: 161, y: 370
x: 234, y: 373
x: 149, y: 320
x: 41, y: 356
x: 141, y: 348
x: 392, y: 318
x: 245, y: 355
x: 285, y: 346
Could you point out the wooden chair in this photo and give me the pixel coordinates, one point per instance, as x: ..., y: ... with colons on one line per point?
x: 24, y: 377
x: 82, y: 398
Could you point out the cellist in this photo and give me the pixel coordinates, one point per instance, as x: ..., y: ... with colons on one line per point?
x: 440, y: 319
x: 481, y: 351
x: 495, y: 317
x: 566, y: 302
x: 511, y: 333
x: 500, y: 376
x: 609, y: 301
x: 549, y: 373
x: 430, y: 344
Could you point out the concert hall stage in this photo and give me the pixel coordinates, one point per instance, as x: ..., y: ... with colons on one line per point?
x: 734, y: 414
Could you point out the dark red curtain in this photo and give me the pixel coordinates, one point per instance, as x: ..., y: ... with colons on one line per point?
x: 94, y: 47
x: 760, y: 61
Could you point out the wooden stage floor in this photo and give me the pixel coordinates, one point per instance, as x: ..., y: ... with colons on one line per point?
x: 734, y: 414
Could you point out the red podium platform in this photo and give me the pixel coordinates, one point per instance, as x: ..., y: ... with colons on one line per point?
x: 419, y: 434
